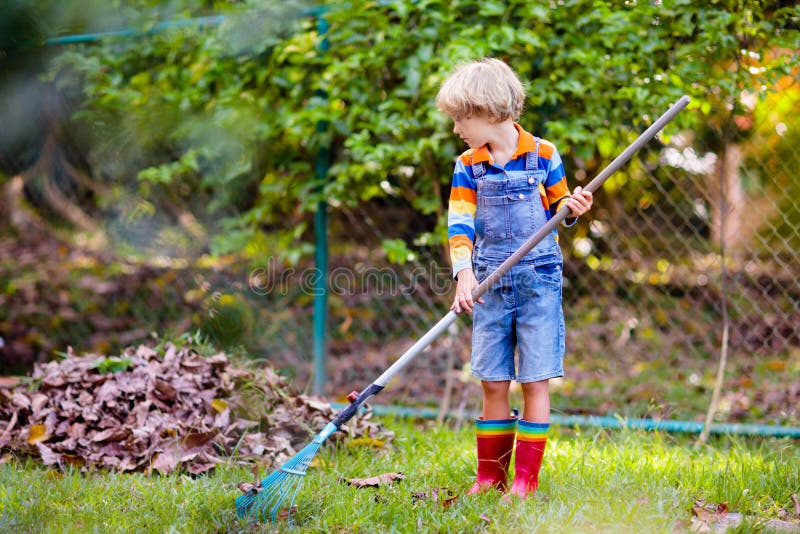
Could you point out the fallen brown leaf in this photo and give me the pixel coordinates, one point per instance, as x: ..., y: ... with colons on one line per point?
x: 20, y: 400
x: 5, y: 438
x: 38, y: 402
x: 247, y: 487
x: 197, y: 468
x: 443, y: 496
x: 284, y: 514
x: 37, y: 434
x: 166, y: 390
x: 447, y: 501
x: 47, y: 455
x: 112, y: 434
x: 374, y: 482
x: 709, y: 511
x: 219, y: 405
x: 9, y: 382
x: 197, y: 440
x: 164, y: 462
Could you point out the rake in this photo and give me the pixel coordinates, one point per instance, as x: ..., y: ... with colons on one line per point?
x: 266, y: 502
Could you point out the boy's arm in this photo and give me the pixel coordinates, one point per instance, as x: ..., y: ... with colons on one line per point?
x: 556, y: 186
x: 461, y: 217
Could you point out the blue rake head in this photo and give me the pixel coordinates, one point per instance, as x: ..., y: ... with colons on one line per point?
x: 266, y: 501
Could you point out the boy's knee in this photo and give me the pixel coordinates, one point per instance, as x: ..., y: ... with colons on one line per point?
x: 542, y: 386
x: 495, y: 388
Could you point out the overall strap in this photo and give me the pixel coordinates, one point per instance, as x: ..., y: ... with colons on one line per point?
x: 478, y: 170
x: 532, y: 158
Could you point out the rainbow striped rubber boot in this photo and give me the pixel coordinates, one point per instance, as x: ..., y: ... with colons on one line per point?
x: 495, y: 444
x: 531, y: 440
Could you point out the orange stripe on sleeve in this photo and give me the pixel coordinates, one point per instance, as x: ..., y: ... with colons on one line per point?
x: 557, y: 191
x: 463, y: 193
x: 546, y: 149
x: 460, y: 241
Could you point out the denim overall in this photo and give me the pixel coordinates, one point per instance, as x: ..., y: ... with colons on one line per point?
x: 524, y: 307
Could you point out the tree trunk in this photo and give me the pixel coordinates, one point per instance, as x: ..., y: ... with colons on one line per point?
x: 736, y: 234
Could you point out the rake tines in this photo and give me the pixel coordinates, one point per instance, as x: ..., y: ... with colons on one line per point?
x: 269, y: 500
x: 266, y: 501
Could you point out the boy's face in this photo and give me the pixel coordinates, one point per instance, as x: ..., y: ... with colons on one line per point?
x: 475, y: 131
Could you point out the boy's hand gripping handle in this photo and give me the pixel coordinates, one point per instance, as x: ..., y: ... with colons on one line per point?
x: 593, y: 186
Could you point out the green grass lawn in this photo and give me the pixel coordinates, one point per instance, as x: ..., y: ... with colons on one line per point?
x: 592, y: 481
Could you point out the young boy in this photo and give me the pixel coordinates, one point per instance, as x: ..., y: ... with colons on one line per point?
x: 505, y: 187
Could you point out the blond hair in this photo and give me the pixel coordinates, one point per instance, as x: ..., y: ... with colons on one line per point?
x: 485, y: 86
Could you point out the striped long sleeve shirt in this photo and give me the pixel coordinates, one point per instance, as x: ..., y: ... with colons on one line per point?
x: 463, y: 194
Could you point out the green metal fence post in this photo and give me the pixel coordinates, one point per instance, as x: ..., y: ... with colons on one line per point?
x: 321, y: 246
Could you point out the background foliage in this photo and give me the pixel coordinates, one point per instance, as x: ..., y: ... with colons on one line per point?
x: 213, y: 131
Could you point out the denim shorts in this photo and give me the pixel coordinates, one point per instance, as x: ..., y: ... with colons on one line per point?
x: 523, y: 309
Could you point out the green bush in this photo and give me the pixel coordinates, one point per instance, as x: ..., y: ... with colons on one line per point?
x: 215, y: 130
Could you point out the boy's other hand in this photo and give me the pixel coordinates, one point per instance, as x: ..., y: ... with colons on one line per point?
x: 466, y: 284
x: 580, y: 202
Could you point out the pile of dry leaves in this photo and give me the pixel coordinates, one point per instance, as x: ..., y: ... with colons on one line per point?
x: 161, y: 409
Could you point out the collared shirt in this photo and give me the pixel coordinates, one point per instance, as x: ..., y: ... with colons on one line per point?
x: 463, y: 194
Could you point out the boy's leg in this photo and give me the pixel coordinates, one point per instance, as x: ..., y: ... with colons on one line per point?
x: 492, y: 362
x: 531, y: 438
x: 537, y: 401
x: 495, y: 432
x: 495, y: 399
x: 540, y: 335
